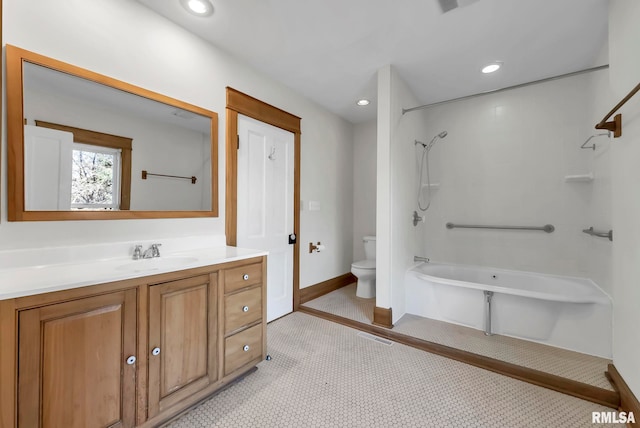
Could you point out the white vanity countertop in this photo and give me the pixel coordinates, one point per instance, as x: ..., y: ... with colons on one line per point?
x: 29, y: 280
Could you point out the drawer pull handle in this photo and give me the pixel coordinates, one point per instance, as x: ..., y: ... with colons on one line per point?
x: 245, y: 348
x: 131, y: 360
x: 245, y: 277
x: 156, y: 351
x: 245, y: 309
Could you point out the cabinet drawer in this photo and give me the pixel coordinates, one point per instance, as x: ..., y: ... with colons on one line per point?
x: 243, y: 276
x: 242, y: 348
x: 242, y: 308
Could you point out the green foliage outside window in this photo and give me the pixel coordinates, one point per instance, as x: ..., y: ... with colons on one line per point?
x: 92, y: 178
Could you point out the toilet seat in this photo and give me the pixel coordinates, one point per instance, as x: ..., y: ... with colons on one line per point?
x: 364, y: 264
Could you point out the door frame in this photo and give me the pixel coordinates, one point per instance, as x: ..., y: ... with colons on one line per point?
x: 240, y: 103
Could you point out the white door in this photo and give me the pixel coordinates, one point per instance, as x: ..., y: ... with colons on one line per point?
x: 265, y: 205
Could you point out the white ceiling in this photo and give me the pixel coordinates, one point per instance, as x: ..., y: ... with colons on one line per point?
x: 330, y: 50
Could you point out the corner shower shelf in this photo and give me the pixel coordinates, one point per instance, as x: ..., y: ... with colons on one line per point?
x: 579, y: 178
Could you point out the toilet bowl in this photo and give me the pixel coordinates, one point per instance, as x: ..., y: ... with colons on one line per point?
x: 365, y: 270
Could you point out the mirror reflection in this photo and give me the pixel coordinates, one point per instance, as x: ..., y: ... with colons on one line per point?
x: 91, y: 147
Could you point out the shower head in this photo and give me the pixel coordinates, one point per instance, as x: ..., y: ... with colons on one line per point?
x: 440, y: 135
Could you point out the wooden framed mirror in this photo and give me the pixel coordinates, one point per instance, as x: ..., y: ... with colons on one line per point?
x: 84, y: 146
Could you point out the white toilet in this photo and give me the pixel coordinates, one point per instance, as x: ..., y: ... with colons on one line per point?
x: 365, y: 270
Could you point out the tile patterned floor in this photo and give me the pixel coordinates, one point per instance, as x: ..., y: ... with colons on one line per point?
x: 343, y: 302
x: 324, y: 375
x: 568, y: 364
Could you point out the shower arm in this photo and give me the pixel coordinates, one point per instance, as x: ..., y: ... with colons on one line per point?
x: 433, y: 140
x: 426, y: 145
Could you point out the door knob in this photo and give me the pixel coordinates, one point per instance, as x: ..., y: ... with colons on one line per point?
x: 156, y: 351
x: 131, y: 360
x: 245, y: 309
x: 245, y: 276
x: 245, y: 348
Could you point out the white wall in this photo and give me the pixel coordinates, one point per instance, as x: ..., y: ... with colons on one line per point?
x: 157, y: 152
x: 327, y: 178
x: 624, y: 39
x: 157, y: 147
x: 396, y: 193
x: 383, y: 190
x: 125, y: 40
x: 364, y: 185
x: 597, y: 254
x: 504, y: 162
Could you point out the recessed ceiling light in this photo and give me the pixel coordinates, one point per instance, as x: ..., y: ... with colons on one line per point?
x: 197, y: 7
x: 363, y: 102
x: 491, y: 67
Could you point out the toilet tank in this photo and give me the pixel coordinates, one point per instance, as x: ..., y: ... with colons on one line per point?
x: 369, y: 247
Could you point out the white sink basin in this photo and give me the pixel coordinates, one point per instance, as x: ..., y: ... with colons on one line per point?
x: 156, y: 263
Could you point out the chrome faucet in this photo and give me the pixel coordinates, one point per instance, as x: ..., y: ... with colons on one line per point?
x: 137, y: 252
x: 420, y: 259
x: 152, y: 251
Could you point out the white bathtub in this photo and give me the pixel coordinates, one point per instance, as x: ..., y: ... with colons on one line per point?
x: 566, y: 312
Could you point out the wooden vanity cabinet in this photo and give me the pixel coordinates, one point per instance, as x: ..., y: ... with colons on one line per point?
x: 130, y: 353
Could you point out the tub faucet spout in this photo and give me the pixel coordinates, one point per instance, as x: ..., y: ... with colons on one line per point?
x: 420, y: 259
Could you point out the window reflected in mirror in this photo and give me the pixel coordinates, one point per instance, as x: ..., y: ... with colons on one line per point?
x: 68, y: 168
x: 95, y: 178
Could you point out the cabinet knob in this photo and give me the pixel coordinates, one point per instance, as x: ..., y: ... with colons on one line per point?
x: 131, y: 360
x: 245, y: 309
x: 245, y: 276
x: 155, y: 351
x: 245, y: 348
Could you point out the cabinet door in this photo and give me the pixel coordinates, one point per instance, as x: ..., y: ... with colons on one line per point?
x: 72, y: 363
x: 183, y: 334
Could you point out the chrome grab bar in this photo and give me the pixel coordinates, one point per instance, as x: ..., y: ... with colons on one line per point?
x: 592, y: 232
x: 547, y: 227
